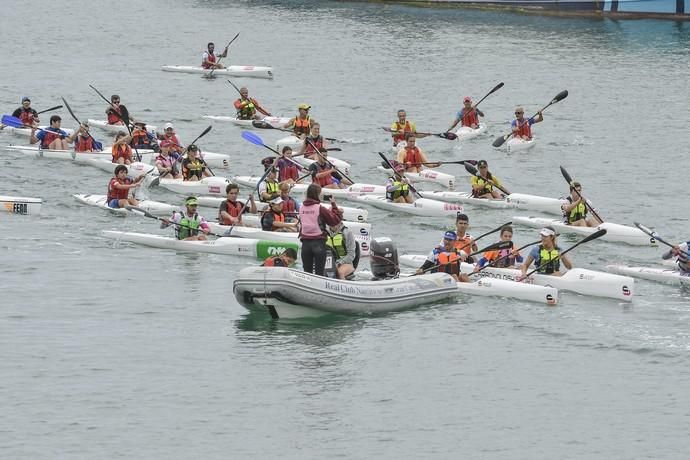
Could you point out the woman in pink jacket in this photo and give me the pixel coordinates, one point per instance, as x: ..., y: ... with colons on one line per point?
x: 314, y: 218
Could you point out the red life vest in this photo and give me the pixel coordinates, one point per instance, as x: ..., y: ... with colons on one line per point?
x: 27, y: 116
x: 309, y: 150
x: 413, y: 156
x: 117, y: 193
x: 83, y: 144
x: 309, y: 217
x: 287, y: 170
x: 524, y: 129
x: 323, y: 180
x: 469, y: 118
x: 211, y: 58
x: 49, y: 137
x: 232, y: 208
x: 172, y: 138
x: 139, y: 137
x: 289, y: 205
x: 121, y: 151
x: 402, y: 130
x: 113, y: 117
x: 302, y: 126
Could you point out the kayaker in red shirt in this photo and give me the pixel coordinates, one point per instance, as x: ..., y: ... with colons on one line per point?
x: 522, y: 127
x: 209, y: 60
x: 26, y: 114
x: 467, y: 116
x: 119, y: 186
x: 122, y: 152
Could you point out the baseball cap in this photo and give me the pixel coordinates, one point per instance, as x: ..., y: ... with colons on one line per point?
x: 467, y: 99
x: 139, y: 123
x: 277, y: 200
x: 192, y: 148
x: 191, y: 201
x: 304, y: 106
x: 169, y: 125
x: 450, y: 235
x: 25, y: 98
x: 547, y: 231
x: 481, y: 163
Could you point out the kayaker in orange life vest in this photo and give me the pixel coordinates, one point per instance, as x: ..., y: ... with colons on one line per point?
x: 26, y: 114
x: 465, y: 242
x: 402, y: 127
x: 53, y: 138
x: 286, y: 259
x: 467, y: 116
x: 445, y: 258
x: 114, y: 111
x: 273, y: 219
x: 313, y: 140
x: 522, y: 126
x: 122, y: 152
x: 209, y: 60
x: 247, y: 107
x: 412, y: 156
x: 301, y: 124
x: 229, y: 210
x: 84, y: 142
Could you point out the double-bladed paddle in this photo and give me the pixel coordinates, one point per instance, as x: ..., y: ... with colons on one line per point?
x: 123, y: 114
x: 559, y: 97
x: 456, y: 162
x: 261, y: 124
x: 144, y: 212
x: 96, y: 144
x: 49, y: 110
x: 492, y: 247
x: 447, y: 135
x: 656, y: 236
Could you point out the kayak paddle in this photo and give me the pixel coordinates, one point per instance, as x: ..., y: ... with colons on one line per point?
x: 591, y: 237
x: 123, y: 114
x: 57, y: 107
x: 457, y: 162
x: 656, y: 236
x: 495, y: 88
x: 447, y: 135
x: 472, y: 170
x: 316, y: 151
x: 95, y: 142
x: 492, y: 247
x: 474, y: 240
x: 144, y: 212
x: 494, y: 262
x: 260, y: 124
x: 569, y: 180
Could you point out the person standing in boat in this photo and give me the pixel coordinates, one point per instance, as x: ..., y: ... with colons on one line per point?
x: 273, y: 219
x: 167, y: 161
x: 312, y: 234
x: 575, y: 210
x: 193, y: 167
x: 445, y: 258
x: 53, y: 138
x: 119, y: 187
x: 680, y: 251
x: 288, y: 169
x: 483, y: 185
x: 209, y: 60
x: 114, y: 111
x: 189, y: 225
x: 502, y: 258
x: 397, y: 187
x: 324, y: 174
x: 312, y: 141
x: 26, y: 113
x: 344, y: 249
x: 413, y: 157
x: 231, y: 210
x: 522, y: 127
x: 286, y: 259
x: 402, y: 127
x: 547, y: 254
x: 84, y: 142
x: 464, y: 241
x: 467, y: 116
x: 301, y: 124
x: 247, y: 107
x: 122, y: 152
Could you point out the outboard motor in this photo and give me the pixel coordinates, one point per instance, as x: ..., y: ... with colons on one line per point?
x: 384, y: 258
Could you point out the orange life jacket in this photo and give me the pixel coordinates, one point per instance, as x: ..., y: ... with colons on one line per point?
x: 302, y: 125
x: 402, y: 130
x: 469, y: 117
x: 83, y: 144
x: 448, y: 262
x: 413, y: 156
x: 232, y: 208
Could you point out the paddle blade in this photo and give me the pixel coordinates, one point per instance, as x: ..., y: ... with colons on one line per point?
x: 69, y: 109
x: 9, y: 120
x: 646, y: 230
x: 205, y: 132
x: 593, y: 236
x: 124, y: 116
x: 448, y: 135
x: 496, y: 246
x: 253, y: 138
x: 496, y: 88
x: 470, y: 169
x: 560, y: 96
x: 501, y: 140
x: 566, y: 176
x: 260, y: 124
x: 57, y: 107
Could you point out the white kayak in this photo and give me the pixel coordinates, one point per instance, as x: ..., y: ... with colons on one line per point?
x: 662, y: 275
x: 114, y: 129
x: 578, y: 280
x: 70, y: 155
x: 465, y: 198
x: 276, y: 122
x: 421, y: 206
x: 353, y: 190
x: 154, y: 207
x: 134, y: 170
x: 495, y: 287
x: 294, y: 142
x: 360, y: 230
x: 516, y: 144
x: 536, y: 203
x: 289, y: 293
x: 214, y: 185
x: 231, y: 71
x: 247, y: 247
x: 343, y: 166
x: 26, y: 132
x: 465, y: 133
x: 20, y: 205
x: 426, y: 175
x: 615, y: 233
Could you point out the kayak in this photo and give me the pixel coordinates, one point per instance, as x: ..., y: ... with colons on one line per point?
x: 360, y: 230
x: 495, y: 287
x: 290, y: 293
x: 344, y: 166
x: 276, y: 122
x: 114, y: 129
x: 349, y: 213
x: 26, y: 132
x: 134, y: 170
x: 465, y: 132
x: 154, y: 207
x: 465, y: 198
x: 578, y: 280
x: 516, y: 144
x: 214, y: 185
x: 536, y: 203
x: 258, y: 249
x: 662, y: 275
x: 355, y: 189
x: 229, y: 71
x: 615, y: 233
x: 426, y: 175
x: 20, y: 205
x: 421, y: 206
x: 57, y: 154
x: 294, y: 142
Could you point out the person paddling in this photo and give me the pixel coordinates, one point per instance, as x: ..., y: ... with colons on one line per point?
x: 575, y: 210
x: 247, y: 107
x: 413, y: 157
x: 324, y: 174
x: 680, y: 251
x: 301, y: 124
x: 506, y: 257
x: 288, y: 170
x: 313, y: 141
x: 465, y: 242
x: 522, y: 127
x: 273, y: 219
x: 483, y: 184
x: 26, y: 113
x: 402, y: 127
x: 119, y: 187
x: 84, y: 142
x: 122, y: 152
x: 189, y: 225
x: 53, y: 138
x: 193, y: 167
x: 547, y: 254
x: 170, y: 135
x: 209, y: 60
x: 445, y: 258
x: 397, y: 187
x: 167, y: 161
x: 114, y: 111
x: 286, y: 259
x: 230, y: 209
x: 142, y: 139
x: 467, y: 116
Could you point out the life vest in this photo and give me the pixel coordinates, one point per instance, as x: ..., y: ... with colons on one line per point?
x: 233, y: 208
x: 486, y: 186
x: 245, y: 111
x: 683, y: 262
x: 210, y: 57
x: 27, y: 116
x: 117, y: 193
x: 310, y: 219
x: 289, y: 205
x: 273, y: 189
x: 465, y: 243
x: 121, y: 151
x: 337, y: 244
x: 448, y: 261
x: 83, y: 144
x: 274, y: 261
x: 113, y: 116
x: 577, y: 213
x: 323, y: 180
x: 550, y: 259
x: 523, y: 129
x: 301, y: 125
x: 167, y: 162
x: 309, y: 150
x: 192, y: 168
x: 172, y: 138
x: 402, y: 130
x: 140, y: 137
x: 277, y: 217
x: 50, y: 134
x: 188, y: 227
x: 413, y: 156
x: 287, y: 170
x: 497, y: 254
x: 403, y: 190
x: 469, y: 118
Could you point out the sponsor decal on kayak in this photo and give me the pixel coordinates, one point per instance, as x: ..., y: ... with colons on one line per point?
x: 452, y: 207
x: 364, y: 246
x: 17, y: 208
x: 363, y: 231
x: 508, y: 277
x: 363, y: 189
x: 213, y: 189
x: 626, y: 291
x: 451, y: 185
x: 550, y: 300
x: 248, y: 67
x: 429, y: 175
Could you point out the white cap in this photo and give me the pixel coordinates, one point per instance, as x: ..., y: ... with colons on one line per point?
x: 547, y: 231
x: 277, y: 200
x: 169, y: 125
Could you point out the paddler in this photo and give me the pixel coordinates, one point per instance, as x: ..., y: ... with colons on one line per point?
x: 290, y: 205
x: 546, y: 253
x: 247, y: 107
x: 288, y: 169
x: 170, y: 135
x: 397, y: 187
x: 142, y: 139
x: 402, y: 127
x: 188, y: 223
x: 483, y: 185
x: 84, y: 142
x: 445, y: 258
x: 413, y: 157
x: 269, y: 188
x: 301, y: 124
x: 522, y: 126
x: 464, y: 242
x: 324, y: 174
x: 680, y: 251
x: 313, y: 140
x: 53, y: 138
x: 167, y: 161
x: 119, y: 187
x: 575, y: 210
x: 122, y: 152
x: 508, y: 257
x: 342, y: 244
x: 273, y: 219
x: 209, y: 60
x: 467, y: 116
x: 193, y: 167
x: 286, y: 259
x: 26, y: 114
x: 230, y: 209
x: 114, y: 111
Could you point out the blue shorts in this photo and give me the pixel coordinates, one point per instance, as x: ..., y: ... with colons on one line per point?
x: 114, y: 203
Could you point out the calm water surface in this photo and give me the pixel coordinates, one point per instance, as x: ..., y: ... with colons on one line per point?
x: 109, y: 350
